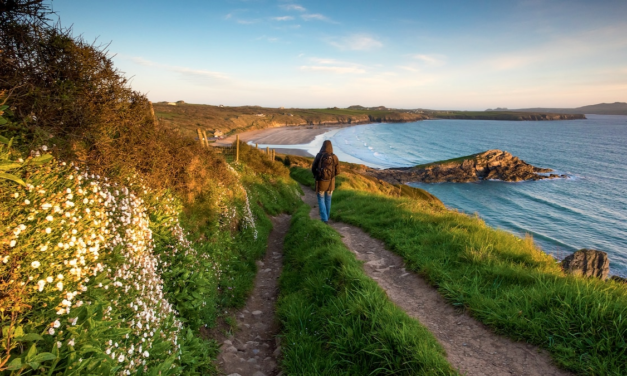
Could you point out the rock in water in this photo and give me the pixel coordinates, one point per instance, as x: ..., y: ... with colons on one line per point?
x: 489, y: 165
x: 587, y: 263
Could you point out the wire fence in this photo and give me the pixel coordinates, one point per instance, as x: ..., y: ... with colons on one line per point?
x: 231, y: 153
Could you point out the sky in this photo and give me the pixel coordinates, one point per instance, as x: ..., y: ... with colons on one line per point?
x: 467, y: 55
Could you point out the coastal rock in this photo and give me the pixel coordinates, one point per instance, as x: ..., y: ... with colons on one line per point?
x: 618, y: 279
x: 587, y: 263
x: 489, y: 165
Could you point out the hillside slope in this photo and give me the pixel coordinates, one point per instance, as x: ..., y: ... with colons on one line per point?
x: 229, y: 120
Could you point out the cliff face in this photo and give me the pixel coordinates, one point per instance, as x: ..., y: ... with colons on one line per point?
x: 489, y: 165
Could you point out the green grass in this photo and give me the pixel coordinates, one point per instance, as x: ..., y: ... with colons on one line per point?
x: 337, y: 321
x: 268, y: 194
x: 452, y: 160
x: 504, y: 281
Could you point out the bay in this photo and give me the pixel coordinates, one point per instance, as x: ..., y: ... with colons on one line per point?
x: 586, y: 210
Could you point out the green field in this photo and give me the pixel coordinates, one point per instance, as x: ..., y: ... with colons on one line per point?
x: 504, y: 281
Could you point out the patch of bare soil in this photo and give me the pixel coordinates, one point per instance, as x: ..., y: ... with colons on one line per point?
x: 253, y: 349
x: 471, y: 347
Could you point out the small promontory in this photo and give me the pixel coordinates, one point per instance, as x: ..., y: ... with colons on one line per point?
x: 489, y: 165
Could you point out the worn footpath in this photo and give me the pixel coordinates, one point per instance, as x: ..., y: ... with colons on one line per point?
x: 253, y: 349
x: 471, y: 347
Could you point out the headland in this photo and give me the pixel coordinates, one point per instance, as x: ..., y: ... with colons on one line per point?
x: 489, y: 165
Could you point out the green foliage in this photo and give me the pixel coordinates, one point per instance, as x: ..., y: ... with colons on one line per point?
x: 337, y: 321
x: 267, y: 194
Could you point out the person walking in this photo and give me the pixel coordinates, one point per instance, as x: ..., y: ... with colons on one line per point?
x: 325, y: 168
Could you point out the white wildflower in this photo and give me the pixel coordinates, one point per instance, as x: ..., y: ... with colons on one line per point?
x: 35, y: 264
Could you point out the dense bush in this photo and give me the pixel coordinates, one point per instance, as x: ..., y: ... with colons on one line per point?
x: 81, y: 282
x: 66, y: 93
x: 97, y: 275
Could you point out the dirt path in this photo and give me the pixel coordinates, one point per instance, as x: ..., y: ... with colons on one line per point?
x: 253, y: 349
x: 470, y: 346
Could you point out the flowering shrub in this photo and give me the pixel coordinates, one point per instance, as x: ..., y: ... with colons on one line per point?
x: 81, y: 283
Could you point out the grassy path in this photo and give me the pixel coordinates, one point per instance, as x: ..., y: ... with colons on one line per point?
x: 470, y: 346
x: 253, y: 349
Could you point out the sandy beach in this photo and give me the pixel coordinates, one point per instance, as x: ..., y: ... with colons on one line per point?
x: 297, y: 135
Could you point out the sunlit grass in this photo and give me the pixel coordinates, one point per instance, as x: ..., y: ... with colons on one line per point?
x: 502, y: 280
x: 337, y: 321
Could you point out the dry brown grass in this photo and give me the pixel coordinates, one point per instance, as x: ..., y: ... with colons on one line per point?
x: 189, y: 117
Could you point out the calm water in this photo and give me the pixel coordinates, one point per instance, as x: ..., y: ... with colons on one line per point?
x: 587, y: 210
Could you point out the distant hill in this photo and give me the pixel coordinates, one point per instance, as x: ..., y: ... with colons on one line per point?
x: 616, y: 108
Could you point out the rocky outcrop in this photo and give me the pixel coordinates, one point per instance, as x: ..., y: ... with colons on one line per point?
x: 618, y: 279
x: 490, y: 165
x: 587, y: 263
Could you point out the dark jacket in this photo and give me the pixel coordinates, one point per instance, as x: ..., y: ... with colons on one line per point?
x: 321, y: 185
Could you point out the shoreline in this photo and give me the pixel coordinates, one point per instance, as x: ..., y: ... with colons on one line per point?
x: 285, y: 135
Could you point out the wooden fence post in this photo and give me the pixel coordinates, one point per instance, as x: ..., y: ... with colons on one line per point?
x: 206, y: 139
x: 237, y: 148
x: 200, y: 137
x: 256, y: 146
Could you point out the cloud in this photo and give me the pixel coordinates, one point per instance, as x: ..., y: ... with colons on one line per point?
x: 267, y: 38
x: 356, y: 42
x: 333, y: 66
x: 316, y: 17
x: 295, y: 7
x: 283, y: 18
x: 333, y: 69
x: 142, y: 61
x: 566, y: 49
x: 194, y: 75
x: 408, y: 68
x: 430, y: 60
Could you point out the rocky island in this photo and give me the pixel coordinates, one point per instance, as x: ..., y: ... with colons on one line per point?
x: 489, y: 165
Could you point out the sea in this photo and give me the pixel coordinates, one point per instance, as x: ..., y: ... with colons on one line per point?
x: 588, y: 209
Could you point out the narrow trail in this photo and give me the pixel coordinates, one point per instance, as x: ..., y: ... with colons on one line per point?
x: 253, y: 349
x: 471, y: 347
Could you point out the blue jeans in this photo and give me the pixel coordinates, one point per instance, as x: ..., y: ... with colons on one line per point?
x: 324, y: 203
